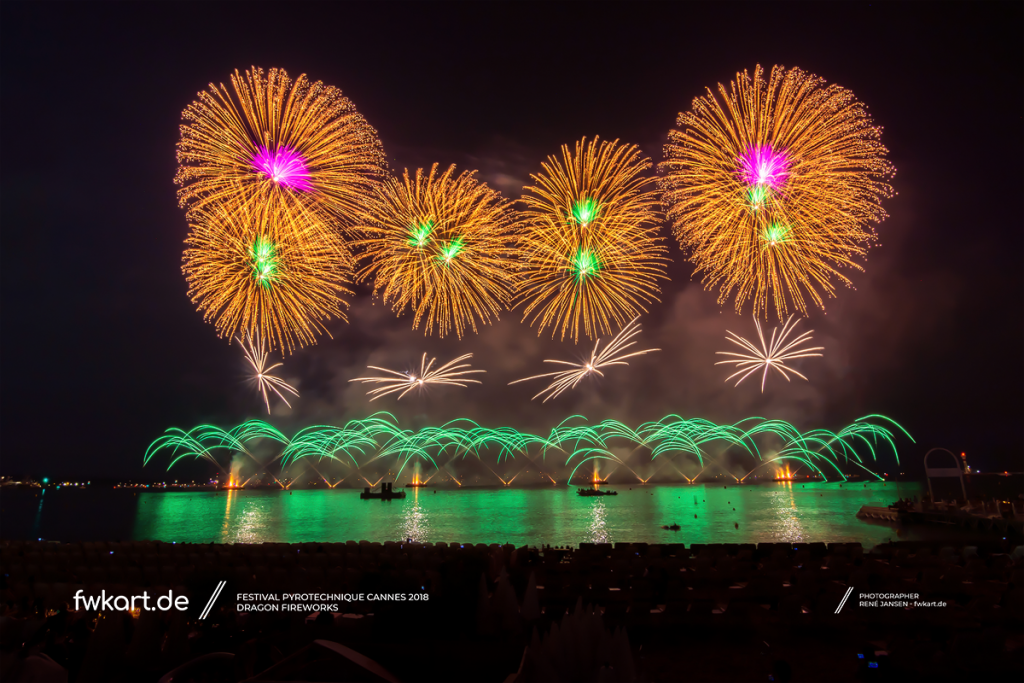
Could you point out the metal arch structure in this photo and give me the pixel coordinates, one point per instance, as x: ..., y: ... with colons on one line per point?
x: 930, y: 472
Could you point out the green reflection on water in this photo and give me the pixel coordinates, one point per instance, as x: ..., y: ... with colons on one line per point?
x: 556, y: 515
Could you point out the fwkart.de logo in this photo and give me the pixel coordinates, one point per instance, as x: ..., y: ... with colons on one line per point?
x: 125, y: 603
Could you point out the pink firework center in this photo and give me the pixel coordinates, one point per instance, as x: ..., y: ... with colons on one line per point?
x: 761, y: 166
x: 285, y: 166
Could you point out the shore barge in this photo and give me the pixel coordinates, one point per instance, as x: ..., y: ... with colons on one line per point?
x: 983, y: 517
x: 386, y: 492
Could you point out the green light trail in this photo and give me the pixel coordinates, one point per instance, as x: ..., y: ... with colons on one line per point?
x: 419, y: 233
x: 265, y: 262
x: 775, y: 234
x: 585, y: 211
x: 450, y: 250
x: 584, y: 264
x: 379, y: 437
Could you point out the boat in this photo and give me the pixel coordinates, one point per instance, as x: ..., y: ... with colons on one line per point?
x: 386, y: 492
x: 671, y: 527
x: 596, y: 492
x: 416, y: 484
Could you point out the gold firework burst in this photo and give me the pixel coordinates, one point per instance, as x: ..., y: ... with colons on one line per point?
x: 773, y: 186
x: 590, y: 250
x: 267, y: 272
x: 273, y: 137
x: 440, y: 245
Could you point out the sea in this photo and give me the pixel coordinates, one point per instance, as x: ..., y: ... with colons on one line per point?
x: 554, y: 515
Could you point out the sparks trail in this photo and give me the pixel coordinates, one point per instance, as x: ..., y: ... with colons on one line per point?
x: 568, y: 379
x: 254, y: 143
x: 285, y: 167
x: 440, y: 245
x: 263, y: 467
x: 771, y: 355
x: 404, y: 382
x: 326, y: 480
x: 256, y: 354
x: 773, y: 185
x: 589, y: 247
x: 378, y: 438
x: 266, y: 271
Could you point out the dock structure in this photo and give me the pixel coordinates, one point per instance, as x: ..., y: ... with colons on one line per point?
x: 938, y: 472
x: 1001, y: 517
x: 878, y: 513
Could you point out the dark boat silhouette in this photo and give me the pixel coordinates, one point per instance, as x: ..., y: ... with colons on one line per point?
x: 386, y: 492
x: 672, y: 527
x: 596, y: 492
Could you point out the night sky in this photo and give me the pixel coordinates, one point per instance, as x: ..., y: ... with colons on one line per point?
x: 101, y: 350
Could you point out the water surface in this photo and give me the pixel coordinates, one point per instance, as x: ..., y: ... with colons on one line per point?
x: 710, y: 513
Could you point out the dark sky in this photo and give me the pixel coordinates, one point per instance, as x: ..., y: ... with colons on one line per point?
x: 100, y: 349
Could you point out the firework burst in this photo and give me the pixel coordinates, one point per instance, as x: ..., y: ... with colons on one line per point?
x: 267, y: 272
x: 699, y: 441
x: 773, y: 187
x: 590, y: 253
x: 256, y: 354
x: 439, y: 244
x: 272, y: 136
x: 452, y: 372
x: 611, y: 355
x: 773, y: 354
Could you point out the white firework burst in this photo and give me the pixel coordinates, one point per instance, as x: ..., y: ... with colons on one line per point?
x: 771, y: 355
x: 611, y: 355
x: 257, y: 354
x: 450, y: 373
